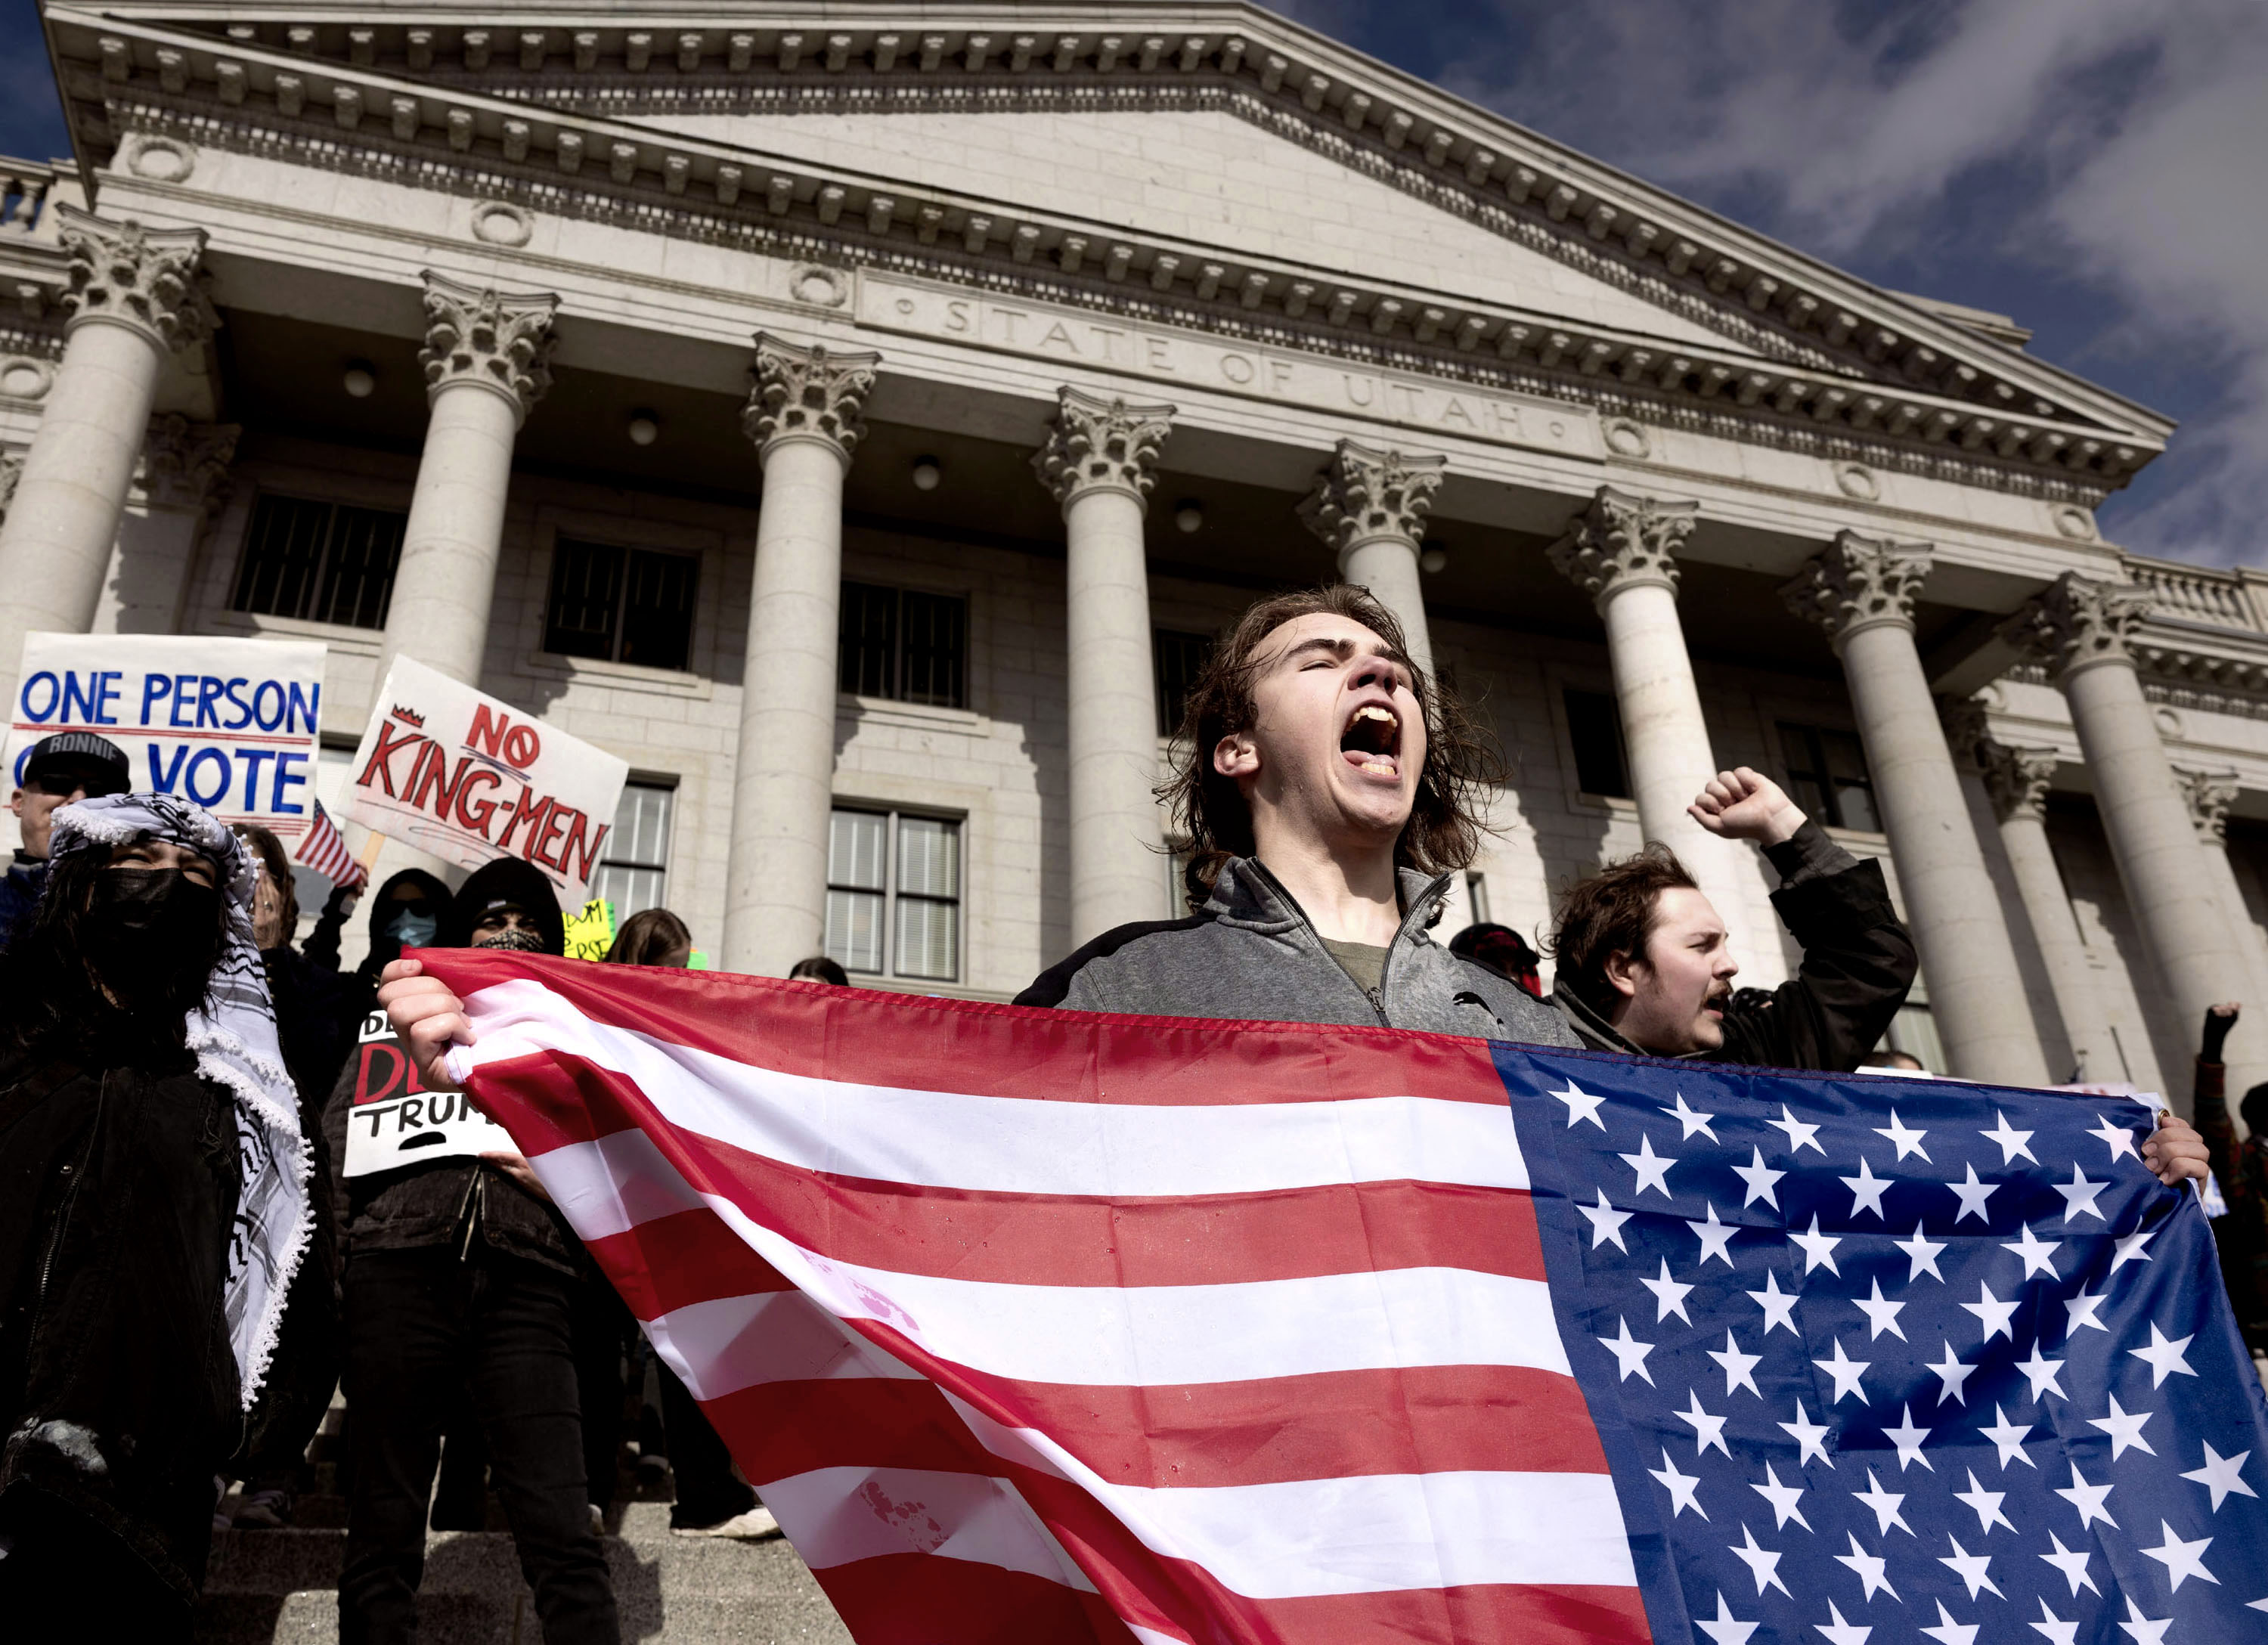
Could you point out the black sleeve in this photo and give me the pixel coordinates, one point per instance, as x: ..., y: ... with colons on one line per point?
x: 1859, y: 963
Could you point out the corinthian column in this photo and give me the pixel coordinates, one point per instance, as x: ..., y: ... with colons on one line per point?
x: 2210, y: 794
x: 1862, y: 591
x: 184, y: 477
x: 133, y: 300
x: 1371, y: 506
x: 1621, y: 553
x: 1098, y: 462
x: 487, y: 359
x: 2080, y: 628
x: 805, y: 417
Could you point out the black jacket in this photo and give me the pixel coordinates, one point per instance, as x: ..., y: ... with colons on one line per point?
x: 1859, y: 963
x: 19, y: 892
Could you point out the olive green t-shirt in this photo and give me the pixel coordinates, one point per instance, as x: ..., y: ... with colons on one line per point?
x: 1363, y: 962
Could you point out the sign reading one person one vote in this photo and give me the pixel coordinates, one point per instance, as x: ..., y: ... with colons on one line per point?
x: 228, y: 723
x: 459, y: 774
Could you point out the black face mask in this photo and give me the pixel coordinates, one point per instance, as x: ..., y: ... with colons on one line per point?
x: 516, y: 939
x: 153, y: 937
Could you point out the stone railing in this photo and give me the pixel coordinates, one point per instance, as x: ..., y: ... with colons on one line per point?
x: 25, y: 186
x: 2198, y: 593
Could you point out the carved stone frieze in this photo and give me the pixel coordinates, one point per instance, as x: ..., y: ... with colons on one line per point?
x: 2210, y: 796
x: 1365, y: 493
x: 1859, y: 583
x: 500, y: 340
x: 124, y: 274
x: 1099, y: 445
x: 185, y: 464
x: 2077, y: 623
x: 1624, y: 540
x: 808, y: 394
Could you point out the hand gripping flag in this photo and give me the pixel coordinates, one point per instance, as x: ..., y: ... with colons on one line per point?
x: 1043, y: 1326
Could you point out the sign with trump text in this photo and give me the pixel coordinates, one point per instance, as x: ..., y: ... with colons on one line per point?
x: 230, y: 725
x: 469, y: 778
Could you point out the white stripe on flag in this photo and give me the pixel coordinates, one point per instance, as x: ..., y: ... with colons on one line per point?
x: 836, y: 1515
x: 1010, y: 1145
x: 737, y: 1342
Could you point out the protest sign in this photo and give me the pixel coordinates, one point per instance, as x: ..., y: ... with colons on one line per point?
x: 395, y: 1121
x: 469, y: 778
x: 591, y: 932
x: 230, y: 725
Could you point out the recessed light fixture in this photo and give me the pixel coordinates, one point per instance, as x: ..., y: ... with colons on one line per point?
x: 645, y: 428
x: 361, y: 381
x: 1188, y: 514
x: 927, y: 474
x: 1432, y: 557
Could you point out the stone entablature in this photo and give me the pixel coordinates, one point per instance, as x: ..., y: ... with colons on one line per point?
x: 1917, y: 404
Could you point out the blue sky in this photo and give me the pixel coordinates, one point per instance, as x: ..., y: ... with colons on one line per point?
x: 2097, y: 169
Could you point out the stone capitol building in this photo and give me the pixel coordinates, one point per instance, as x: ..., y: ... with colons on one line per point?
x: 862, y: 416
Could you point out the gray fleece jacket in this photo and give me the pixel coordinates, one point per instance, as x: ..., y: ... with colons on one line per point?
x: 1251, y: 954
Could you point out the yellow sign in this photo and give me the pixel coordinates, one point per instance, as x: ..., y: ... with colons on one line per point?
x: 591, y: 932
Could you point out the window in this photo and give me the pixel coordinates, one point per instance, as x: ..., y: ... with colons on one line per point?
x: 320, y: 562
x: 621, y: 605
x: 894, y: 894
x: 635, y: 870
x: 1827, y: 776
x: 1594, y: 725
x: 1180, y: 658
x: 906, y: 647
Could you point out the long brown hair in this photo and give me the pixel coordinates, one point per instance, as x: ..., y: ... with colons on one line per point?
x: 1210, y: 811
x: 648, y: 938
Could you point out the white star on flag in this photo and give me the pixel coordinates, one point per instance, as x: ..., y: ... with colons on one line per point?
x: 1869, y: 1567
x: 2165, y: 1359
x: 2073, y: 1563
x: 1969, y: 1568
x: 2131, y: 1249
x: 2043, y: 1373
x: 2182, y: 1560
x: 1581, y: 1105
x: 1707, y: 1430
x: 2054, y: 1629
x: 1992, y: 1313
x: 1727, y: 1629
x: 1738, y: 1368
x: 1986, y: 1505
x: 2141, y: 1629
x: 2125, y: 1429
x: 1908, y: 1438
x: 2038, y: 1254
x: 1905, y: 1140
x: 1783, y: 1499
x: 1810, y: 1435
x: 1923, y: 1254
x: 2087, y: 1499
x: 1653, y: 1168
x: 1818, y: 1249
x: 2009, y: 1436
x: 1846, y: 1372
x: 1973, y: 1195
x: 1947, y: 1631
x: 2079, y: 1311
x: 1799, y: 1136
x: 2013, y: 1144
x: 1841, y: 1633
x: 1760, y: 1178
x: 1605, y: 1223
x: 1951, y: 1372
x: 1778, y: 1305
x: 1867, y: 1190
x: 1716, y: 1238
x: 1881, y: 1315
x: 2220, y: 1476
x: 2120, y: 1139
x: 1681, y: 1487
x: 1629, y: 1353
x: 1688, y: 1122
x: 2079, y: 1195
x: 1669, y: 1296
x: 1763, y: 1563
x: 1885, y: 1504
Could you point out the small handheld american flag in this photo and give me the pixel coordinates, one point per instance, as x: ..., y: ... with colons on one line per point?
x: 322, y: 849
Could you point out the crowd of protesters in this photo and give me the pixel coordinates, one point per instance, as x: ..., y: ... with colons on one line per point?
x: 191, y: 1266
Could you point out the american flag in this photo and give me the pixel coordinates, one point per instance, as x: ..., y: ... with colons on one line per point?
x: 323, y: 850
x: 1044, y: 1326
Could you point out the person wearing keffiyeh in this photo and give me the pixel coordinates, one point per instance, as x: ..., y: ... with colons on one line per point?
x: 155, y: 1210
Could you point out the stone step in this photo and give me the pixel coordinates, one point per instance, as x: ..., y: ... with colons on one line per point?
x: 267, y: 1587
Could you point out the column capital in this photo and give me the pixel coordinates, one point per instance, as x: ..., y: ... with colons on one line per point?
x: 2210, y: 794
x: 500, y: 340
x: 1365, y: 494
x: 143, y: 278
x: 185, y: 464
x: 2076, y: 623
x: 2016, y: 779
x: 1624, y: 540
x: 1858, y: 583
x: 812, y: 394
x: 11, y: 469
x: 1099, y: 445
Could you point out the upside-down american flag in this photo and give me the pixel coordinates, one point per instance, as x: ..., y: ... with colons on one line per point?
x: 1043, y: 1326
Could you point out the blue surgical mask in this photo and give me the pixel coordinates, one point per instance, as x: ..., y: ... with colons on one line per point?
x: 412, y: 928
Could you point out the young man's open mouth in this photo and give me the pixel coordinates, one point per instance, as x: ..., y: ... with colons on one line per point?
x: 1372, y: 742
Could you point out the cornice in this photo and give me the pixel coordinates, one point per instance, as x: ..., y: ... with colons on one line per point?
x: 440, y: 131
